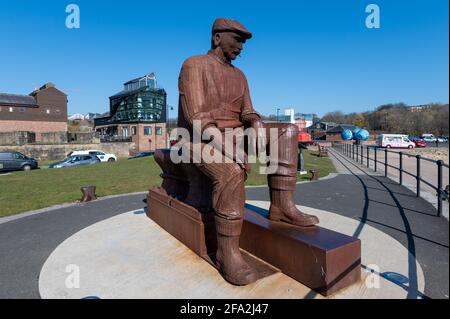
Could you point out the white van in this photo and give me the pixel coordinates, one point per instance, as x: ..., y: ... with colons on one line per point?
x: 395, y: 141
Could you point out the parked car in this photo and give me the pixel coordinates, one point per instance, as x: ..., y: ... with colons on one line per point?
x: 429, y: 138
x: 395, y: 141
x: 442, y: 139
x: 104, y: 157
x: 76, y: 160
x: 14, y: 161
x: 418, y: 141
x: 143, y: 154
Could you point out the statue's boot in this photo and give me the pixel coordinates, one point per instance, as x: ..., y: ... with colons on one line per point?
x: 229, y: 260
x: 282, y: 207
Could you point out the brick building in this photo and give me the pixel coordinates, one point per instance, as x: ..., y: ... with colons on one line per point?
x: 43, y: 110
x: 137, y: 114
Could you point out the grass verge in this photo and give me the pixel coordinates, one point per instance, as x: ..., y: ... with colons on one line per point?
x: 24, y: 191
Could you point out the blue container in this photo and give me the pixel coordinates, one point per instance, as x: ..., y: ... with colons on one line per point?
x: 362, y: 135
x: 347, y: 135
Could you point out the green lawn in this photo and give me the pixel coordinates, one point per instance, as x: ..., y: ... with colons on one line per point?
x: 24, y: 191
x: 311, y: 160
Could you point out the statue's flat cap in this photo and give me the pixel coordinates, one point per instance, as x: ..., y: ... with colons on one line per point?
x: 229, y: 25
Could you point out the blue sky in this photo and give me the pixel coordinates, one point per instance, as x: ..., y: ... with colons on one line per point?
x: 317, y: 56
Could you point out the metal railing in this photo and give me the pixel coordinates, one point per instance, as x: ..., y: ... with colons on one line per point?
x: 356, y: 152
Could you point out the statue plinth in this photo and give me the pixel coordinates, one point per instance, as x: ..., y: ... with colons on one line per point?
x: 321, y: 259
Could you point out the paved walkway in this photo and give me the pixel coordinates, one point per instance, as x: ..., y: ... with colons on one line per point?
x: 372, y: 199
x: 27, y: 242
x: 428, y: 171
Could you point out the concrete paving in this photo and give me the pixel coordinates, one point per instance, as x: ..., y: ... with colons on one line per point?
x: 26, y: 242
x: 130, y: 256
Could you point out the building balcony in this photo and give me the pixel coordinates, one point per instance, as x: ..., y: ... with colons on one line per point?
x: 114, y: 139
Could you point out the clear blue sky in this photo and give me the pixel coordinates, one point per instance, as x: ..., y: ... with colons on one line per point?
x: 316, y: 56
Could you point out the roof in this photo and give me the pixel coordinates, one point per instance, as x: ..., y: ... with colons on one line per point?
x: 16, y: 99
x: 47, y: 85
x: 144, y: 88
x: 151, y: 75
x: 341, y: 127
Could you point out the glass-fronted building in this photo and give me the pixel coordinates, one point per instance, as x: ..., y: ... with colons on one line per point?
x: 140, y: 101
x: 137, y: 113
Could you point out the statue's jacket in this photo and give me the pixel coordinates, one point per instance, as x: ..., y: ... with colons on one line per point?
x: 214, y: 92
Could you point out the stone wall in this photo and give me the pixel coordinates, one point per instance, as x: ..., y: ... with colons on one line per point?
x: 44, y: 152
x: 17, y: 138
x: 82, y: 137
x: 54, y: 138
x: 37, y: 127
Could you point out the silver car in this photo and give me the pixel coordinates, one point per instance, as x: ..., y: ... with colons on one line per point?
x: 76, y: 160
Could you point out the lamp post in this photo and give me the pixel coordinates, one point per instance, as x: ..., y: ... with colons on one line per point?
x: 168, y: 109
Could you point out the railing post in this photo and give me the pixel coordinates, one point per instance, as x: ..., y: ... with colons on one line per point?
x: 353, y: 151
x: 418, y: 176
x: 401, y: 168
x: 439, y: 186
x: 385, y: 162
x: 367, y: 153
x: 376, y: 158
x: 362, y: 154
x: 357, y: 154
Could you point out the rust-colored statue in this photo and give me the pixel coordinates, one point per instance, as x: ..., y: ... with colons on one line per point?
x: 215, y: 92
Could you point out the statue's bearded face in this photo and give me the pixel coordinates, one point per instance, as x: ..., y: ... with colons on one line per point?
x: 230, y: 43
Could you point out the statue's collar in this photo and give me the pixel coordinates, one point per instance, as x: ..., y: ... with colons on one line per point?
x: 223, y: 61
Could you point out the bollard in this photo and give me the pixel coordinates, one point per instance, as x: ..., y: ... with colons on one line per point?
x: 314, y: 174
x: 88, y: 194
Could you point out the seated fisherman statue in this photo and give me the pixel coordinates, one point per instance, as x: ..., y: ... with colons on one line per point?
x: 216, y: 93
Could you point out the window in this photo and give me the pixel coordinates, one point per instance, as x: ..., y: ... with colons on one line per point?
x: 147, y: 130
x: 158, y: 130
x: 125, y: 131
x: 22, y: 110
x: 19, y: 156
x: 11, y: 109
x: 47, y: 111
x: 133, y: 130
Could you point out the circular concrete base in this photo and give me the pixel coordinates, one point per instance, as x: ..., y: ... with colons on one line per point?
x: 129, y: 256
